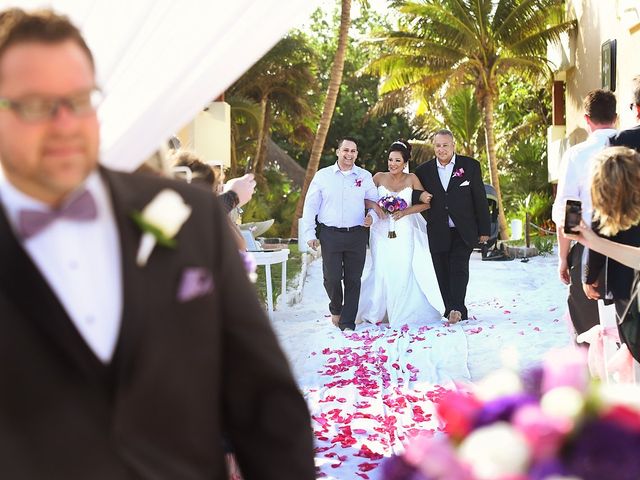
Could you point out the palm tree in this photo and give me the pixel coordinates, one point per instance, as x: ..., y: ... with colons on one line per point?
x: 246, y: 117
x: 335, y: 80
x: 458, y: 112
x: 442, y: 44
x: 280, y: 82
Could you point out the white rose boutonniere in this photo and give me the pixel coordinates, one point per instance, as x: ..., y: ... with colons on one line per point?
x: 160, y: 221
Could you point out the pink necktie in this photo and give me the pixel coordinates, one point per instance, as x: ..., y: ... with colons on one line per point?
x: 81, y: 208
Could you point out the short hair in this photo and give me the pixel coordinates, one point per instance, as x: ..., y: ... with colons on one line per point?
x: 18, y: 26
x: 614, y: 189
x: 403, y: 147
x: 444, y: 131
x: 202, y: 173
x: 600, y: 106
x: 636, y: 89
x: 347, y: 139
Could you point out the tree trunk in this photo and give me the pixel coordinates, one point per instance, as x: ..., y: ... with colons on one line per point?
x: 233, y: 167
x: 490, y: 139
x: 261, y: 155
x: 253, y: 163
x: 335, y: 80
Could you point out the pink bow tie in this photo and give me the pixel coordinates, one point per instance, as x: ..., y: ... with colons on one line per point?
x: 81, y: 208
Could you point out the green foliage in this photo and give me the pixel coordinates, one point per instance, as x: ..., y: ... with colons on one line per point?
x: 522, y: 117
x: 274, y: 199
x: 358, y: 94
x: 538, y: 205
x: 544, y: 244
x: 459, y: 112
x: 294, y: 264
x: 285, y: 78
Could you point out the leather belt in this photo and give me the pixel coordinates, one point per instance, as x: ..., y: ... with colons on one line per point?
x: 341, y: 229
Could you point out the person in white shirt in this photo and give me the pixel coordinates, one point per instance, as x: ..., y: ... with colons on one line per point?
x: 335, y: 203
x: 574, y: 183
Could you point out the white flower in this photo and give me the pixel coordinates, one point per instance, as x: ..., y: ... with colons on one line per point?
x: 498, y: 384
x: 167, y: 212
x: 495, y: 451
x: 563, y: 402
x: 626, y: 394
x: 160, y: 220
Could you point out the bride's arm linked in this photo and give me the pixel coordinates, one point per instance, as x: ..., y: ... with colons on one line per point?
x: 375, y: 212
x: 418, y: 207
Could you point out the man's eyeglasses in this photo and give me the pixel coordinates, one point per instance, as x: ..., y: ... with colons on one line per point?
x: 37, y: 109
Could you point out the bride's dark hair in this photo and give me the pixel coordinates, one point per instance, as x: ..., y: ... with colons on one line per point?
x: 403, y: 147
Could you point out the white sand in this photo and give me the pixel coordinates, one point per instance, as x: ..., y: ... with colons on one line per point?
x: 367, y: 391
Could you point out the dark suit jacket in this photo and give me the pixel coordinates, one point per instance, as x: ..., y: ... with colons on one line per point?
x: 619, y: 277
x: 627, y: 138
x: 467, y: 205
x: 182, y: 376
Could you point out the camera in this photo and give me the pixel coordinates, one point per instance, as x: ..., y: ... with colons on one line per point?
x: 572, y: 215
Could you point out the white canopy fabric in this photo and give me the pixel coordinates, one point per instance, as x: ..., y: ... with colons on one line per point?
x: 159, y: 62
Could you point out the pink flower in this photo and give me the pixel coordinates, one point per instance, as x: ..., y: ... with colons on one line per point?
x: 435, y: 458
x: 565, y: 368
x: 459, y: 172
x: 543, y: 433
x: 358, y: 182
x: 624, y: 416
x: 458, y: 412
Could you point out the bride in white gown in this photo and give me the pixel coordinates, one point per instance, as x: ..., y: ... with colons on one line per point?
x: 401, y: 286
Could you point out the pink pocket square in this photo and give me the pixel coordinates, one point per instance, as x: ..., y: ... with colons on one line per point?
x: 195, y: 282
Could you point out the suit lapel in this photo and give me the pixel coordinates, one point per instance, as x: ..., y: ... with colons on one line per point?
x: 25, y: 287
x: 433, y: 171
x: 455, y: 181
x: 125, y: 201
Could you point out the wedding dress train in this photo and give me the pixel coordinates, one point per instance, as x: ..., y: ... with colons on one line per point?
x: 401, y: 285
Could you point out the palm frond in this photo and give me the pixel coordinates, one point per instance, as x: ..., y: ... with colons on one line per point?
x: 537, y: 42
x: 516, y: 16
x: 443, y: 23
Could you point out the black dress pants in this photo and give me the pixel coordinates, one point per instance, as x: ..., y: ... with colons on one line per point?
x: 583, y: 311
x: 343, y: 257
x: 452, y: 271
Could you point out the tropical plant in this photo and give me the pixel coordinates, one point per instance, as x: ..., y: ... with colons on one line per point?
x: 442, y: 44
x: 544, y: 244
x: 283, y: 83
x: 275, y: 198
x: 358, y: 93
x: 328, y: 108
x: 459, y: 112
x: 246, y: 118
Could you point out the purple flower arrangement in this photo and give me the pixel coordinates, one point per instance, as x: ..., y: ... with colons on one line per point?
x: 550, y: 423
x: 390, y: 204
x: 459, y: 172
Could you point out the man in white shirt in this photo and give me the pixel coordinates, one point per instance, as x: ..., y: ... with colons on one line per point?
x: 117, y: 365
x: 574, y: 183
x: 338, y: 196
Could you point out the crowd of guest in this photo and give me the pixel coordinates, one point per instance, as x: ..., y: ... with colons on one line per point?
x: 603, y: 173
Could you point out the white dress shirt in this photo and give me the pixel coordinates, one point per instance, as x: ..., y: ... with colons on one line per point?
x: 574, y: 181
x: 445, y: 172
x: 337, y: 198
x: 80, y: 260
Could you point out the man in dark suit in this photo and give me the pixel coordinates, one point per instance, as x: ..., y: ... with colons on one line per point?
x: 457, y: 220
x: 618, y: 278
x: 116, y: 363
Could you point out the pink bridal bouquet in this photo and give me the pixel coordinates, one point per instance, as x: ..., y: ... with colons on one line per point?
x: 552, y: 423
x: 390, y: 204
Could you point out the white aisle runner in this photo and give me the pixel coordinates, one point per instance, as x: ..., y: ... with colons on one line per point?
x: 368, y: 390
